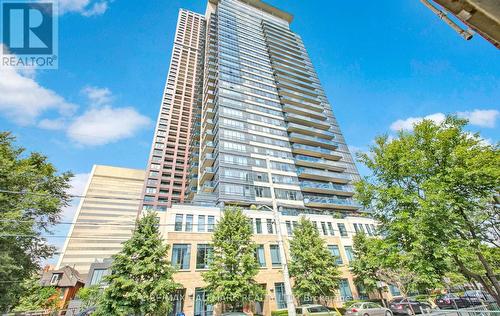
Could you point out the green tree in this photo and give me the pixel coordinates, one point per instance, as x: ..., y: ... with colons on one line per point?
x: 312, y: 265
x: 140, y: 282
x: 233, y: 266
x: 432, y: 191
x: 37, y: 297
x: 89, y: 296
x: 376, y: 260
x: 25, y: 217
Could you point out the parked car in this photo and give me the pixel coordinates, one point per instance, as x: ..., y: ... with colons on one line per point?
x: 477, y: 297
x: 409, y: 306
x: 314, y: 309
x: 367, y: 309
x: 451, y: 301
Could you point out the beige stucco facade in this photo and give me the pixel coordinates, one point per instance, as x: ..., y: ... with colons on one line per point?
x: 105, y: 216
x: 270, y: 276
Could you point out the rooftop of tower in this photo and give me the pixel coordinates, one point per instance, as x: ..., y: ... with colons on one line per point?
x: 266, y: 8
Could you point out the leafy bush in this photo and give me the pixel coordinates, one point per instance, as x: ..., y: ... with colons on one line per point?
x: 280, y: 312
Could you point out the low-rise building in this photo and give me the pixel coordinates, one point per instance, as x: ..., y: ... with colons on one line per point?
x: 66, y: 280
x: 188, y: 230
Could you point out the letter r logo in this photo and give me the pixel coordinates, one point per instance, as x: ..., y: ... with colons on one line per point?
x: 27, y: 27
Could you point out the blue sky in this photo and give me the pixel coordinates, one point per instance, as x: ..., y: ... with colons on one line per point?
x: 380, y: 62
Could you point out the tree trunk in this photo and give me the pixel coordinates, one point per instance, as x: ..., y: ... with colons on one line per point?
x: 467, y: 273
x: 381, y: 293
x: 490, y: 274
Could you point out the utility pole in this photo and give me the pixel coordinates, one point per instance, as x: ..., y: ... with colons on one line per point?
x: 284, y: 262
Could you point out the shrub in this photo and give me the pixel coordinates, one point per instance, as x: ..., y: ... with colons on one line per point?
x: 280, y: 312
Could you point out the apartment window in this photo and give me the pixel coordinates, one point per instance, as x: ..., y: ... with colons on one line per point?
x: 55, y: 278
x: 345, y: 290
x: 178, y: 222
x: 269, y: 225
x: 203, y: 255
x: 180, y: 256
x: 356, y: 228
x: 289, y: 229
x: 342, y: 229
x: 258, y: 226
x: 349, y: 253
x: 279, y: 290
x: 323, y: 228
x: 275, y: 255
x: 330, y: 229
x: 151, y: 190
x: 211, y: 222
x: 334, y: 250
x: 189, y: 223
x: 202, y: 227
x: 369, y: 230
x: 98, y: 275
x: 259, y: 255
x: 201, y: 306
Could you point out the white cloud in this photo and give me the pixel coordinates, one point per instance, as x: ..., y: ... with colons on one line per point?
x: 482, y: 118
x: 407, y: 124
x: 98, y: 96
x: 97, y: 8
x: 99, y: 126
x: 84, y: 7
x: 23, y: 100
x: 52, y: 124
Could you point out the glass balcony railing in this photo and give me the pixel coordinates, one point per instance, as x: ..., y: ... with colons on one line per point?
x: 314, y: 148
x: 292, y: 117
x: 309, y: 130
x: 323, y: 173
x: 327, y: 186
x: 330, y: 201
x: 304, y: 111
x: 318, y: 140
x: 322, y: 161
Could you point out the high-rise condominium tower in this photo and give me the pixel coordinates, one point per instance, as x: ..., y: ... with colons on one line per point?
x: 243, y: 92
x: 166, y: 181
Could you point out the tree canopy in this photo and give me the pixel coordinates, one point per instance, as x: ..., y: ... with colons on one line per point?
x: 140, y: 282
x: 312, y: 265
x: 233, y: 266
x: 32, y: 196
x: 433, y: 191
x: 37, y: 297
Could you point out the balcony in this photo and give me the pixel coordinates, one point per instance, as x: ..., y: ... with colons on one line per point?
x: 207, y: 174
x: 307, y: 121
x: 307, y: 130
x: 208, y: 186
x: 303, y: 111
x: 330, y: 202
x: 314, y: 162
x: 209, y: 113
x: 315, y: 151
x: 208, y: 135
x: 208, y: 160
x: 208, y: 147
x: 310, y: 92
x: 313, y: 141
x: 317, y: 174
x: 327, y: 188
